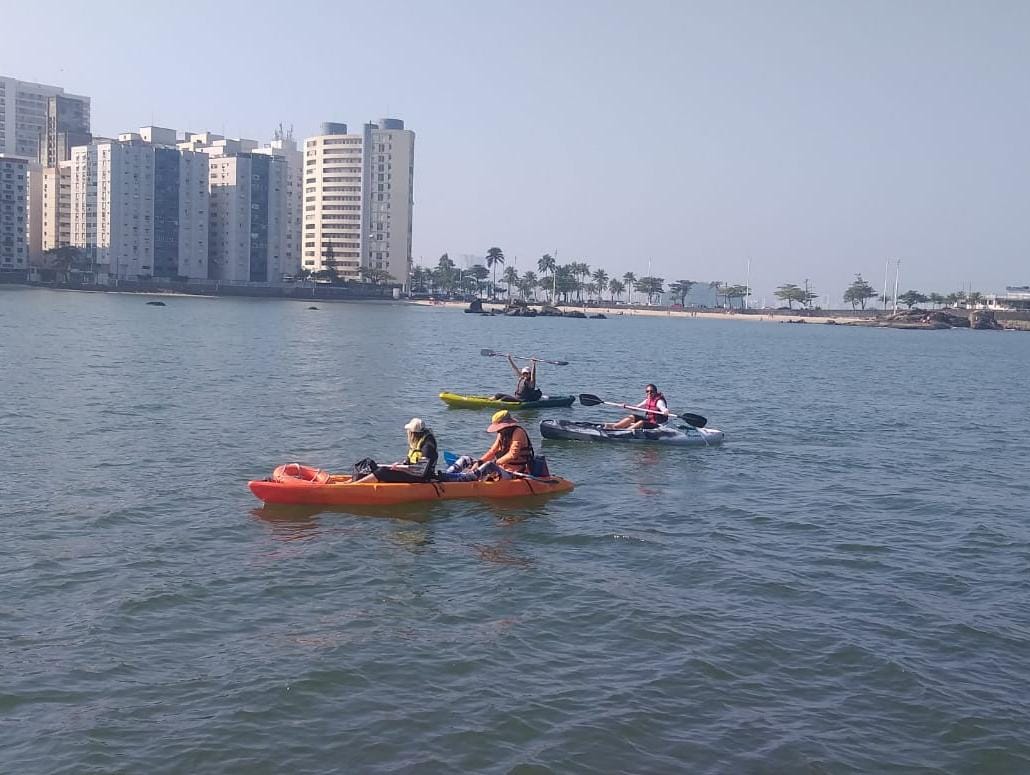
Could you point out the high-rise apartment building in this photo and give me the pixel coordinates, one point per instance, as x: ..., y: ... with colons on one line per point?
x: 67, y: 126
x: 57, y: 202
x: 23, y: 116
x: 249, y: 223
x: 285, y: 146
x: 139, y: 208
x: 390, y: 157
x: 358, y: 200
x: 14, y: 213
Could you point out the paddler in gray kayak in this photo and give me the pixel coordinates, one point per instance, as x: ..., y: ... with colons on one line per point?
x: 655, y: 410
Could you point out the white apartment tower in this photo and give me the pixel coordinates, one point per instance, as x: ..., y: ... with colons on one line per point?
x: 285, y: 146
x: 23, y: 115
x: 358, y: 198
x: 249, y: 218
x: 14, y: 213
x: 140, y: 208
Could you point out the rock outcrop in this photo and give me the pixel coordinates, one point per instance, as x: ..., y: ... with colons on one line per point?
x: 984, y: 320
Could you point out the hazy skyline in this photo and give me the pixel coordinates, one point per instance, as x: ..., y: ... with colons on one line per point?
x: 815, y: 139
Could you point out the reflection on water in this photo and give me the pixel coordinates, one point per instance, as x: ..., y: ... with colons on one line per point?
x: 502, y: 552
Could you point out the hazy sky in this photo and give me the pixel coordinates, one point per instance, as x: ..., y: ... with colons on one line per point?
x: 818, y: 139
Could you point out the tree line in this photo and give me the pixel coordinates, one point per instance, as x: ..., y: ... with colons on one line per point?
x: 554, y: 282
x: 860, y: 292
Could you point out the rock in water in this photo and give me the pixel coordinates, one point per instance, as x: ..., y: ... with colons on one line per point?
x: 983, y: 320
x: 155, y: 303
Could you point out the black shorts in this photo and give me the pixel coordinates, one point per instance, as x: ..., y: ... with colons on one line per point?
x: 398, y: 476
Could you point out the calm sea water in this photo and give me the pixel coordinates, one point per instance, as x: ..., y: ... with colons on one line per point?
x: 842, y: 587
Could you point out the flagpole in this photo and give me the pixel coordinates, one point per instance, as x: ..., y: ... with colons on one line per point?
x: 886, y: 268
x: 747, y: 285
x: 897, y: 273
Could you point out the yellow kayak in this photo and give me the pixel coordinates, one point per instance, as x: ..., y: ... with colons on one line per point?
x: 483, y: 402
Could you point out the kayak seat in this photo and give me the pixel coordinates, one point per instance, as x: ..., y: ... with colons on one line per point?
x: 539, y: 467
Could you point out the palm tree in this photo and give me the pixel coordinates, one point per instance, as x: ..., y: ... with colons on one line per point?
x: 580, y: 270
x: 511, y: 278
x: 494, y: 256
x: 630, y: 279
x: 528, y: 283
x: 420, y: 277
x: 717, y: 286
x: 564, y: 282
x: 616, y: 287
x: 601, y: 280
x: 546, y: 265
x: 680, y: 289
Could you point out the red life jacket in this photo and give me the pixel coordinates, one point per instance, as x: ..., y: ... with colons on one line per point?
x: 651, y: 404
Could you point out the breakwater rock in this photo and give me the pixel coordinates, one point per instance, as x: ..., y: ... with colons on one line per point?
x: 940, y: 319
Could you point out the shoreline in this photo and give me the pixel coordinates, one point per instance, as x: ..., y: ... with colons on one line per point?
x: 765, y: 316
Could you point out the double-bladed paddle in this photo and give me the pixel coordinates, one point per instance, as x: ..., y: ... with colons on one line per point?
x: 524, y: 357
x: 696, y: 420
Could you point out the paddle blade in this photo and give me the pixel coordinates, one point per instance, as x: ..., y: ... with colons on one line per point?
x: 450, y: 458
x: 488, y: 352
x: 589, y: 399
x: 694, y: 419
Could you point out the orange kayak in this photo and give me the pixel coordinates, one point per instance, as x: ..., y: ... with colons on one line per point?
x: 300, y: 485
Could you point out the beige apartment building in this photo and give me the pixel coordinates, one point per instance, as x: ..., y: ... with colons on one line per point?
x: 57, y: 202
x: 358, y: 200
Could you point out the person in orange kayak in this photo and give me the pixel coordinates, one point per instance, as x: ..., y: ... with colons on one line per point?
x: 655, y: 412
x: 525, y: 388
x: 512, y: 451
x: 420, y: 463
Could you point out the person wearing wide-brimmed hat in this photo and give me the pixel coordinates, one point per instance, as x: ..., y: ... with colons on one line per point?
x: 420, y: 463
x: 512, y: 451
x: 525, y: 388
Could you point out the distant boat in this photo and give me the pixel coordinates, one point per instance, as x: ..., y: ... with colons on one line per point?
x: 156, y: 303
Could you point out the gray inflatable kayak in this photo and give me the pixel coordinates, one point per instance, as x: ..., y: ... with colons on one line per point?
x: 677, y: 436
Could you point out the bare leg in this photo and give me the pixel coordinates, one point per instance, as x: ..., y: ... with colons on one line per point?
x: 625, y: 422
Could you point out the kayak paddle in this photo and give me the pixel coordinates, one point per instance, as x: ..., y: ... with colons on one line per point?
x: 523, y: 357
x: 588, y: 399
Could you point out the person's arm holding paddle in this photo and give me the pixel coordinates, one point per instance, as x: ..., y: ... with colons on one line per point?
x: 514, y: 366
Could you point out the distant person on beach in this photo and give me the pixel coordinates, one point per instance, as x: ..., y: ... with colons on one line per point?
x: 525, y: 388
x: 655, y: 412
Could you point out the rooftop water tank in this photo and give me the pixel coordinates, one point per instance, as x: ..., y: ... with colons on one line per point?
x: 333, y: 128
